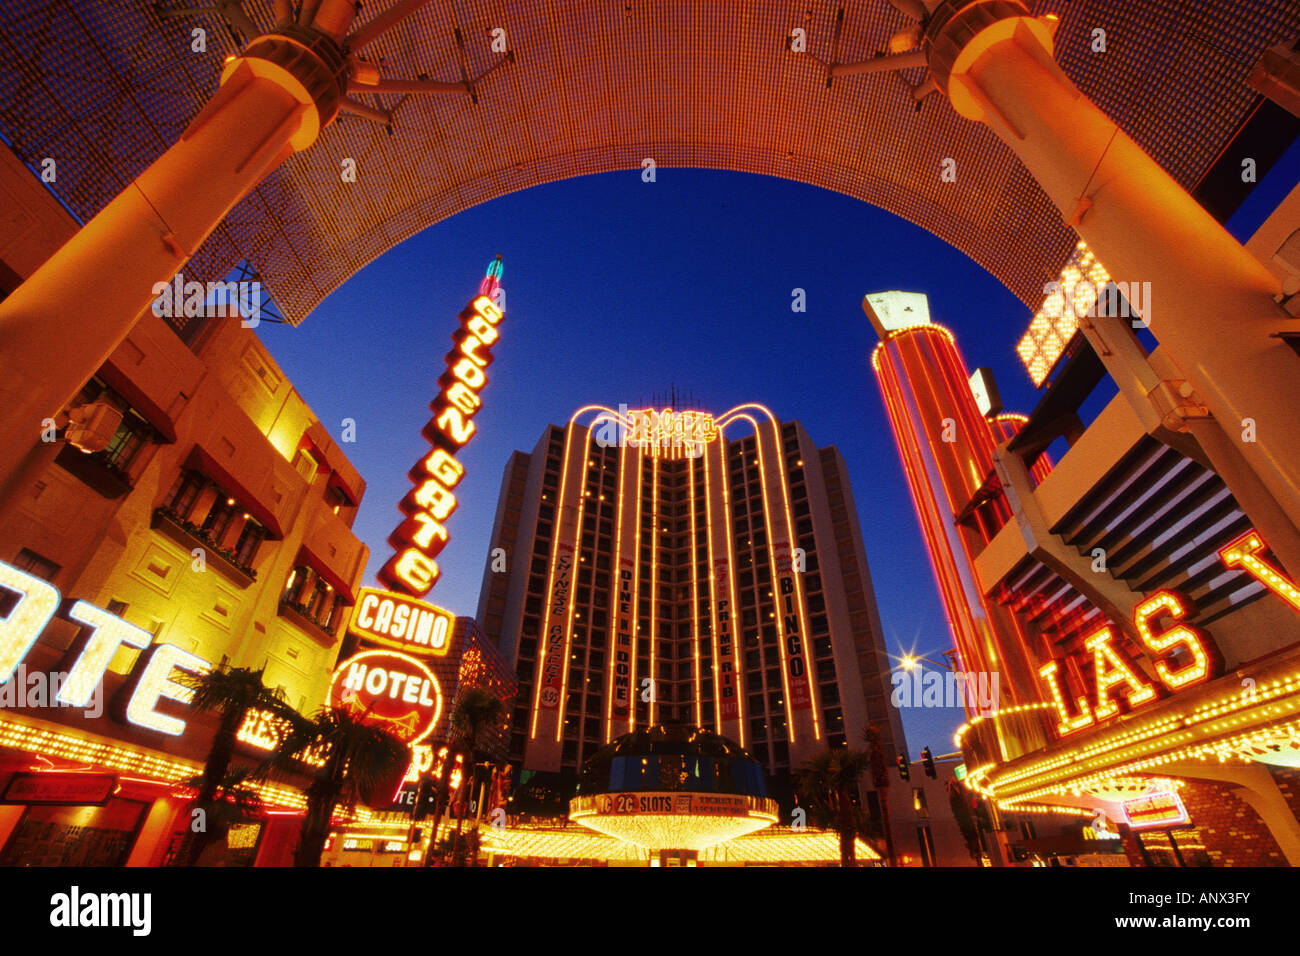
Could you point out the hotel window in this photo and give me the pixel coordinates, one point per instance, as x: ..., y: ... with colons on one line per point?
x: 131, y: 436
x: 185, y: 493
x: 33, y: 563
x: 219, y: 518
x: 250, y: 539
x: 127, y: 441
x: 305, y: 465
x: 336, y: 499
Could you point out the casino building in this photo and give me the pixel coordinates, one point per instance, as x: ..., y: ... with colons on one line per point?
x: 670, y: 566
x: 213, y: 524
x: 1145, y: 629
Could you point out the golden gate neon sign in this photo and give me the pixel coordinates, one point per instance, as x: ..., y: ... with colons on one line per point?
x: 422, y: 536
x: 1112, y: 675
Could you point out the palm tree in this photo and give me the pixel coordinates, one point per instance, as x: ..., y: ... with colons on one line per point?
x: 230, y: 692
x: 359, y: 757
x: 827, y: 781
x: 880, y: 778
x: 475, y: 711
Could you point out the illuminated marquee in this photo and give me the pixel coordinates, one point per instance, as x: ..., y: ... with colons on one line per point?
x: 402, y: 623
x: 730, y: 704
x: 1112, y: 675
x: 263, y: 730
x: 669, y: 434
x: 101, y: 635
x: 1164, y: 809
x: 788, y: 611
x: 421, y: 537
x: 623, y: 640
x: 1056, y: 323
x: 557, y: 621
x: 679, y: 804
x: 394, y: 691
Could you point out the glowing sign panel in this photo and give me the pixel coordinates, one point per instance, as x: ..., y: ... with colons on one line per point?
x: 557, y: 620
x: 61, y: 789
x: 1112, y: 674
x: 1056, y: 323
x: 730, y: 703
x: 1164, y: 809
x: 680, y: 804
x: 394, y: 691
x: 402, y: 623
x: 894, y: 311
x: 623, y: 639
x: 670, y: 434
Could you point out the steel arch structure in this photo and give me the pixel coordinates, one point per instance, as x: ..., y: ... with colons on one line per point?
x: 105, y: 87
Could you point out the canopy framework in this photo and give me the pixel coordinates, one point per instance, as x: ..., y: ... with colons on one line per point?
x: 105, y: 88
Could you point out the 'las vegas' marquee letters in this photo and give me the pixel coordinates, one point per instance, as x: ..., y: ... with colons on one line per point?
x: 1181, y: 655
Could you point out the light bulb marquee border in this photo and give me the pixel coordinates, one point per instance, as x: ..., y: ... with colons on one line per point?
x: 1228, y: 725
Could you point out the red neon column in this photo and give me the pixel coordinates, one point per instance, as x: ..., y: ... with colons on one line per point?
x: 946, y: 447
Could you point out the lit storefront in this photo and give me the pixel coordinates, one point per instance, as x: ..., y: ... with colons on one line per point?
x: 192, y: 510
x: 670, y: 795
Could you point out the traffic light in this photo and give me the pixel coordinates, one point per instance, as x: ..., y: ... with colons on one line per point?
x: 927, y: 759
x: 903, y: 770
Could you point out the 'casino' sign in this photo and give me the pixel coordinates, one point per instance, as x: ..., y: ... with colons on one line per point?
x: 421, y: 537
x: 402, y: 623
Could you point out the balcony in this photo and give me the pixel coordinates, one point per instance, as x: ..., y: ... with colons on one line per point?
x: 301, y: 617
x: 336, y: 551
x: 95, y: 470
x: 187, y: 534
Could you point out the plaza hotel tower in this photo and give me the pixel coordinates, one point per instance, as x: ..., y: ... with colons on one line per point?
x: 672, y: 566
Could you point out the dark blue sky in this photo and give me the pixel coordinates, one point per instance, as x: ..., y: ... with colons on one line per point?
x: 617, y: 289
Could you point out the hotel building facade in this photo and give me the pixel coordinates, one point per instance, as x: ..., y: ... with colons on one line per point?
x: 670, y: 566
x: 213, y: 526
